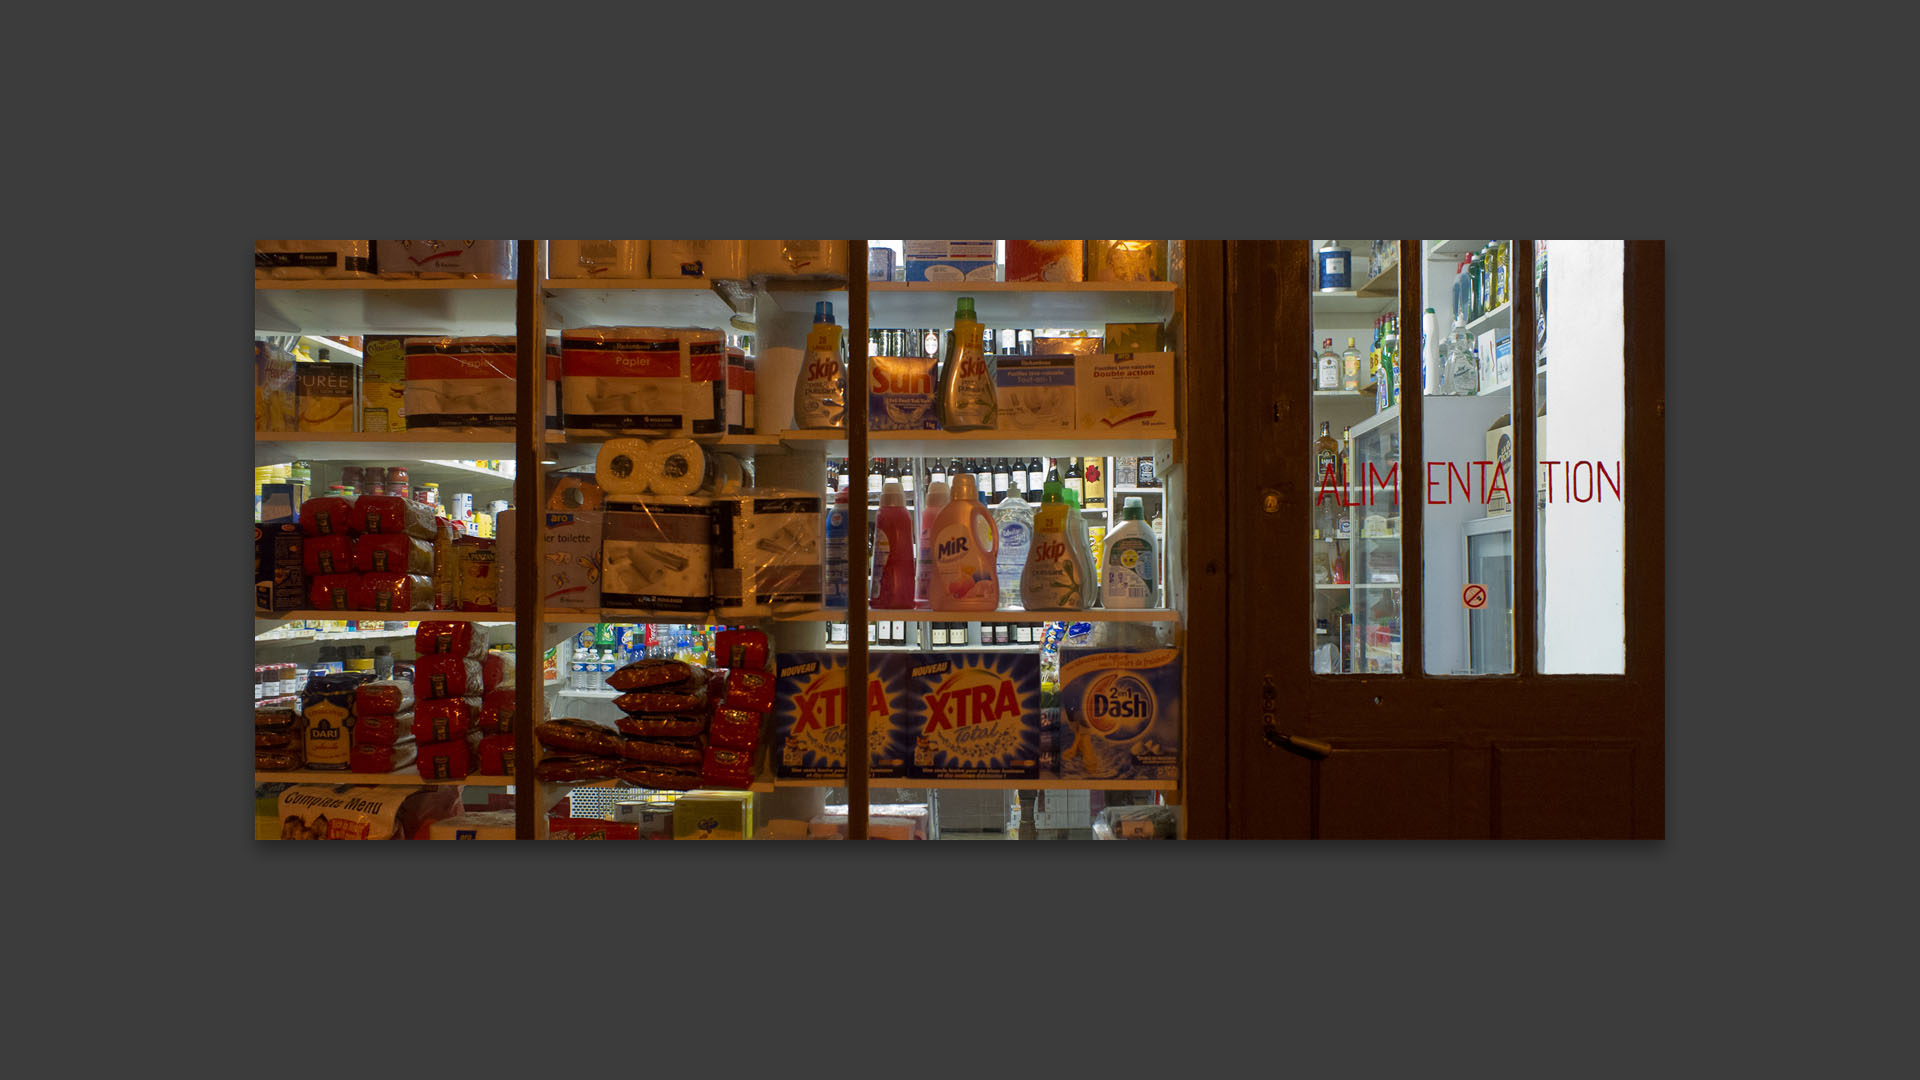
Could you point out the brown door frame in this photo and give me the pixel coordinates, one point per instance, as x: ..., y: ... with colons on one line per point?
x: 1274, y: 793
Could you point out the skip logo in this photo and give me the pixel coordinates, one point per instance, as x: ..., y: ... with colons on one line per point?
x: 1120, y: 706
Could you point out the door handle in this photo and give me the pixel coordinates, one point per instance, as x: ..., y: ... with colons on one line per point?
x: 1311, y: 749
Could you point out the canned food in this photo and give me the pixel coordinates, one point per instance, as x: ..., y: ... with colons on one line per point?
x: 463, y: 504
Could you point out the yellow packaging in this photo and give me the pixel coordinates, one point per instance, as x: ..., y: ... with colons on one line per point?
x: 1065, y: 346
x: 327, y: 396
x: 1133, y: 337
x: 273, y: 389
x: 1126, y: 260
x: 713, y: 815
x: 383, y: 385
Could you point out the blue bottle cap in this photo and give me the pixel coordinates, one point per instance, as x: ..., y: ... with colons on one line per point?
x: 823, y: 311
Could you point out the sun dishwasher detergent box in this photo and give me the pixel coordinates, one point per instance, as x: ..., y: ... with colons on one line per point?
x: 1126, y: 392
x: 900, y: 394
x: 810, y: 716
x: 1035, y: 393
x: 974, y: 715
x: 1123, y: 713
x: 949, y: 260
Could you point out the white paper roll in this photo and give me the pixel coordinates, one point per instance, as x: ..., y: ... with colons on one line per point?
x: 596, y: 258
x: 621, y: 468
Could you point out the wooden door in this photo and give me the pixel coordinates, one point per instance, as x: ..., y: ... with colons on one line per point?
x: 1412, y: 755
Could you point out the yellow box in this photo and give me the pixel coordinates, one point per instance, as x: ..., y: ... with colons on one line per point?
x: 713, y: 815
x: 1126, y: 260
x: 1133, y: 337
x: 383, y: 385
x: 328, y: 396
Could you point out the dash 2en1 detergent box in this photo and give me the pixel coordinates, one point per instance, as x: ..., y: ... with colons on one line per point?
x: 973, y: 715
x: 1123, y: 713
x: 810, y: 716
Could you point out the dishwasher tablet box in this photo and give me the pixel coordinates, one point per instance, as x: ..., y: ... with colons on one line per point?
x: 949, y: 260
x: 1035, y: 393
x: 1129, y: 393
x: 1122, y: 711
x: 327, y: 396
x: 900, y: 394
x: 810, y: 713
x: 569, y: 557
x: 973, y: 715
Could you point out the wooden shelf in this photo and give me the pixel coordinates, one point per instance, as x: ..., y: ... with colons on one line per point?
x: 1383, y: 284
x: 406, y: 777
x: 1453, y: 249
x: 499, y: 618
x: 992, y: 785
x: 1145, y: 615
x: 989, y: 443
x: 573, y: 302
x: 463, y: 306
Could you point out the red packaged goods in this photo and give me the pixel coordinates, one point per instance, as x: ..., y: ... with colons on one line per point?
x: 576, y: 769
x: 644, y: 674
x: 327, y: 515
x: 327, y: 555
x: 590, y: 829
x: 278, y: 738
x: 726, y: 768
x: 444, y: 760
x: 278, y: 713
x: 383, y: 698
x: 734, y: 729
x: 496, y: 711
x: 450, y: 639
x: 571, y: 736
x: 287, y: 760
x: 390, y: 553
x: 383, y: 759
x: 663, y: 751
x: 662, y: 727
x: 390, y: 514
x: 749, y: 690
x: 741, y: 649
x: 333, y: 592
x: 496, y: 670
x: 659, y: 777
x: 496, y: 755
x: 383, y: 729
x: 442, y: 725
x: 686, y: 697
x: 446, y: 677
x: 392, y: 592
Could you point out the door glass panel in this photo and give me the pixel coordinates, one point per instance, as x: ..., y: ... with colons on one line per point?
x: 1580, y: 349
x: 1354, y: 371
x: 1466, y: 459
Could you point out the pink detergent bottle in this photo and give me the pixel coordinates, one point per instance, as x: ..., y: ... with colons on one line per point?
x: 934, y: 501
x: 965, y: 553
x: 893, y: 550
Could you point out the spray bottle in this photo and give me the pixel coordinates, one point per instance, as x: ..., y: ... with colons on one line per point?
x: 965, y: 399
x: 820, y: 391
x: 965, y: 546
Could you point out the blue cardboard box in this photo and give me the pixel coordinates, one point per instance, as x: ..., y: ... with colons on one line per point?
x: 1122, y: 712
x: 810, y: 716
x: 973, y: 715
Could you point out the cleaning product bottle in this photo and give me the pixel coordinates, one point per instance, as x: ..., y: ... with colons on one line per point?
x: 965, y: 546
x: 1014, y: 517
x: 1077, y: 533
x: 836, y: 584
x: 1051, y: 580
x: 930, y: 507
x: 1129, y: 577
x: 966, y: 400
x: 820, y: 392
x: 893, y: 550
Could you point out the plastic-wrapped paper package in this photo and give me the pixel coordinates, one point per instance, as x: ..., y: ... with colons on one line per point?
x: 461, y: 382
x: 596, y: 258
x: 656, y: 556
x: 796, y: 258
x: 442, y: 724
x: 299, y: 260
x: 706, y: 366
x: 1126, y: 260
x: 1046, y: 260
x: 492, y: 259
x: 1137, y: 823
x: 768, y: 552
x: 391, y: 553
x: 698, y: 258
x: 383, y: 758
x: 383, y: 697
x: 383, y: 729
x: 390, y: 515
x: 624, y: 378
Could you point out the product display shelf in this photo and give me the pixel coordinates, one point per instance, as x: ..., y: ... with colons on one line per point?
x: 444, y: 447
x: 1347, y: 301
x: 373, y: 306
x: 1021, y: 304
x: 1501, y: 317
x: 572, y: 302
x: 577, y: 449
x: 901, y: 783
x: 1383, y: 284
x: 330, y: 636
x: 1146, y: 615
x: 492, y: 618
x: 1453, y: 249
x: 403, y: 778
x: 1163, y: 450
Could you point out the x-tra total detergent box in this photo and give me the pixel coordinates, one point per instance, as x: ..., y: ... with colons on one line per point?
x: 810, y: 716
x: 974, y: 715
x: 1123, y: 713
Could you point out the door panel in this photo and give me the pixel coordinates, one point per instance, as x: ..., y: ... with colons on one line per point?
x: 1563, y: 792
x: 1385, y: 794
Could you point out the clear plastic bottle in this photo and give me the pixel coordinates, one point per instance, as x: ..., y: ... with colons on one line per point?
x: 1460, y: 368
x: 1014, y: 518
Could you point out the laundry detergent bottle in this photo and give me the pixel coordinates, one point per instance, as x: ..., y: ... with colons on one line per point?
x: 1077, y: 533
x: 1128, y: 578
x: 1053, y: 579
x: 893, y: 550
x: 836, y: 578
x: 820, y: 390
x: 965, y: 398
x: 965, y: 546
x: 934, y: 501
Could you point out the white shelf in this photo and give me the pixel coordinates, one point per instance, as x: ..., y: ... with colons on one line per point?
x: 1347, y: 301
x: 403, y: 448
x: 1138, y: 490
x: 1453, y: 249
x: 307, y: 636
x: 1501, y: 316
x: 988, y: 443
x: 494, y: 618
x: 1145, y: 615
x: 407, y: 777
x: 374, y: 306
x: 572, y: 302
x: 591, y: 695
x: 999, y: 304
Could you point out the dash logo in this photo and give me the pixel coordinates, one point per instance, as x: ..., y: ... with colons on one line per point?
x: 1120, y: 706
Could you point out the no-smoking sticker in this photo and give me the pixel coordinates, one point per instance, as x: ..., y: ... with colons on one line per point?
x: 1474, y: 597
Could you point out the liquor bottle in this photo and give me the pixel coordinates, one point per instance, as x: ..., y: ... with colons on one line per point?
x: 1002, y: 479
x: 874, y: 480
x: 1326, y: 457
x: 1076, y: 480
x: 937, y: 471
x: 1350, y: 367
x: 1373, y: 353
x: 1017, y: 478
x: 1095, y: 474
x: 1035, y: 477
x: 1329, y: 369
x: 906, y: 478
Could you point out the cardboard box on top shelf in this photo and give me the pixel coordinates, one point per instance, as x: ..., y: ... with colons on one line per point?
x: 1129, y: 393
x: 950, y: 260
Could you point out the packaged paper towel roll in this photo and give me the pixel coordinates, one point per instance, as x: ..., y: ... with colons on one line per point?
x: 597, y: 258
x: 797, y: 258
x: 767, y: 552
x: 624, y: 378
x: 656, y: 556
x: 677, y: 466
x: 729, y: 475
x: 622, y: 467
x: 698, y: 258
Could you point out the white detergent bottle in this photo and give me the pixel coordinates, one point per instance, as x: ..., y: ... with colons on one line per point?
x: 965, y: 546
x: 1077, y: 532
x: 1129, y: 577
x: 1052, y: 579
x: 935, y: 501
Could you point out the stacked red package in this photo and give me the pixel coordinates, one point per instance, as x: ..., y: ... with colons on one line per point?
x: 383, y: 715
x: 367, y: 553
x: 739, y: 707
x: 448, y: 687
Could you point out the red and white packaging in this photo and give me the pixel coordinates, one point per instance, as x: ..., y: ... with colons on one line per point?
x: 332, y: 554
x: 382, y: 698
x: 496, y: 754
x: 445, y: 760
x: 392, y: 515
x: 390, y: 553
x: 369, y: 758
x: 445, y: 677
x: 333, y: 592
x: 460, y: 382
x: 590, y: 829
x: 737, y: 649
x: 383, y: 729
x: 392, y: 592
x: 328, y: 515
x: 496, y: 671
x: 440, y: 638
x: 497, y: 709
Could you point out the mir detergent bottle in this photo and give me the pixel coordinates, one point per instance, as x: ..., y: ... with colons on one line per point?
x: 965, y: 547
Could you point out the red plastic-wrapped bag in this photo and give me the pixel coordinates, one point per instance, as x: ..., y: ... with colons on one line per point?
x: 662, y: 727
x: 734, y: 729
x: 683, y: 697
x: 496, y: 670
x: 574, y: 769
x: 328, y: 515
x: 383, y: 729
x: 644, y: 674
x: 571, y: 736
x: 327, y: 555
x: 445, y: 760
x: 659, y: 777
x: 497, y: 710
x: 288, y: 760
x: 392, y: 553
x: 444, y: 638
x: 393, y: 592
x: 737, y: 649
x: 496, y: 755
x: 663, y: 751
x: 590, y: 829
x: 749, y: 690
x: 278, y: 738
x: 382, y: 698
x: 446, y: 677
x: 372, y: 758
x: 724, y: 768
x: 333, y: 592
x: 442, y: 725
x: 390, y: 514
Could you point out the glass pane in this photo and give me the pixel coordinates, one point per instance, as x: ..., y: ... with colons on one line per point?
x: 1466, y: 380
x: 1581, y: 449
x: 1354, y: 369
